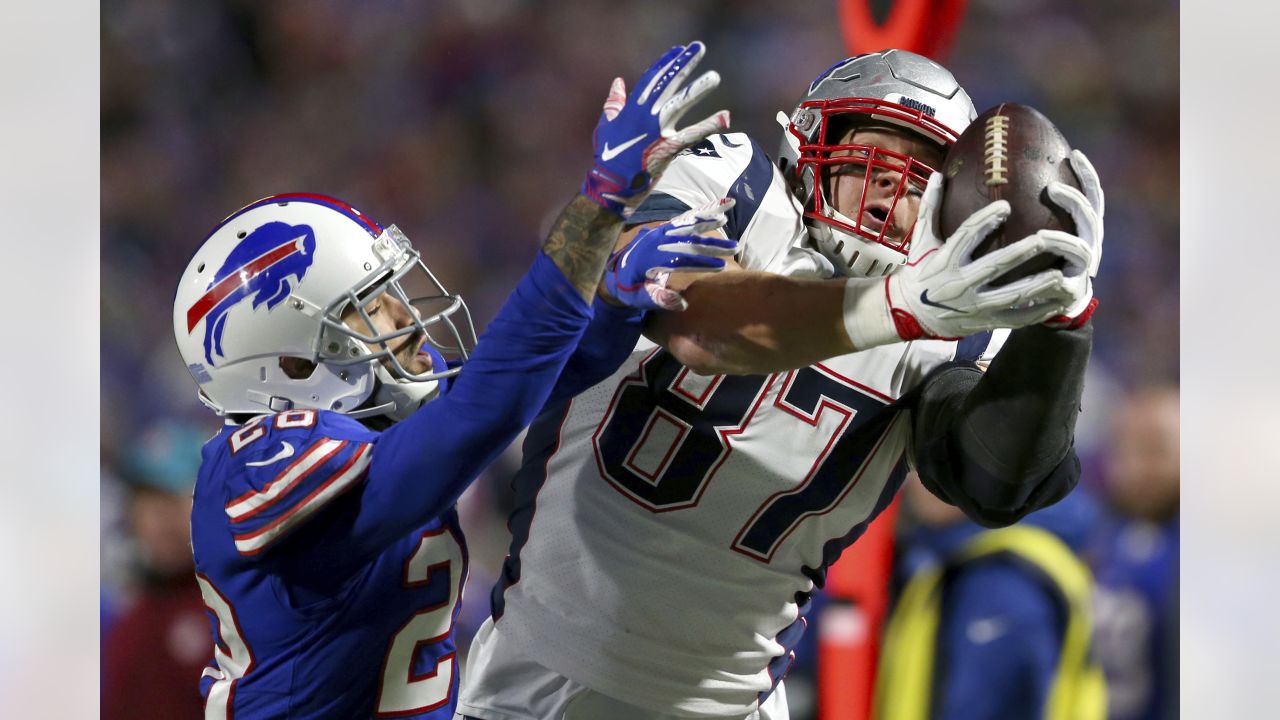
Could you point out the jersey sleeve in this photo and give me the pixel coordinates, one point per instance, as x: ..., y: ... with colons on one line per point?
x: 765, y: 219
x: 381, y: 486
x: 999, y: 443
x: 608, y: 341
x: 286, y: 468
x: 424, y: 462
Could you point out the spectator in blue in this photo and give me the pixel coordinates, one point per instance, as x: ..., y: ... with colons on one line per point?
x: 1135, y: 558
x: 990, y: 624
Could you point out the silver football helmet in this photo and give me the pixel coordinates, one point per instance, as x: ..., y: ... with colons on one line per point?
x: 892, y: 88
x: 275, y: 279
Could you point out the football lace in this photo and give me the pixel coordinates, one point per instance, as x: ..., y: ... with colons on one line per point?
x: 996, y: 150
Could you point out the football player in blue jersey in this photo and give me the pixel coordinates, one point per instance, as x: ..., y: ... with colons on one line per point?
x: 673, y: 521
x: 359, y: 406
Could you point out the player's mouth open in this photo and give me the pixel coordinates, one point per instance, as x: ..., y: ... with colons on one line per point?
x: 416, y: 361
x: 875, y: 217
x: 421, y: 361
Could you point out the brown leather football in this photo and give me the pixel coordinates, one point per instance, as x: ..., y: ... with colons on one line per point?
x: 1009, y: 152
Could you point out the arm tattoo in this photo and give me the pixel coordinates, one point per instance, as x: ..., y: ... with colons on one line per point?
x: 580, y: 242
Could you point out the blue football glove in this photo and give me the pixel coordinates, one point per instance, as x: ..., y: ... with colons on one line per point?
x: 636, y: 138
x: 637, y: 275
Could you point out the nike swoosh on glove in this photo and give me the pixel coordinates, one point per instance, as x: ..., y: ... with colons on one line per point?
x: 943, y: 292
x: 636, y: 137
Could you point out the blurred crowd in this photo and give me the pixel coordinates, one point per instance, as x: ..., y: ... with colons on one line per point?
x: 467, y: 124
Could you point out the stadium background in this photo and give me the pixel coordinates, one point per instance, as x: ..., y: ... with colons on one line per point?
x: 468, y: 123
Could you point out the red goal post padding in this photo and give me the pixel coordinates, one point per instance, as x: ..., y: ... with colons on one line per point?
x: 926, y: 27
x: 859, y: 581
x: 849, y: 627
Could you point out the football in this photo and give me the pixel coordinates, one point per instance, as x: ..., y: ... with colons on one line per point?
x: 1009, y: 152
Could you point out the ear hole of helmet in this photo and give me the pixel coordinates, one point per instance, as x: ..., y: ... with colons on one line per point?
x: 297, y: 368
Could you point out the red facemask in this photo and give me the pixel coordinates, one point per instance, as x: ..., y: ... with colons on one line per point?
x: 887, y: 176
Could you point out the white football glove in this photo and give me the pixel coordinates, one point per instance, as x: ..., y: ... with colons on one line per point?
x: 1086, y: 209
x: 943, y: 292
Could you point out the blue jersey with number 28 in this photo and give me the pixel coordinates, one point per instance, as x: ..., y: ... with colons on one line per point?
x: 371, y: 627
x: 329, y: 554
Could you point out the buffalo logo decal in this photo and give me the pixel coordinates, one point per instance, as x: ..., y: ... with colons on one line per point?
x: 265, y: 266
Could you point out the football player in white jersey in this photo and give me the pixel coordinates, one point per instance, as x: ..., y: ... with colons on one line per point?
x: 673, y: 521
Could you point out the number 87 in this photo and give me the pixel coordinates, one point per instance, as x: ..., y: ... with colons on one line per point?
x: 698, y: 431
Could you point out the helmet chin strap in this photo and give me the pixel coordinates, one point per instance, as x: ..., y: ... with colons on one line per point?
x: 406, y: 396
x: 853, y: 255
x: 396, y: 398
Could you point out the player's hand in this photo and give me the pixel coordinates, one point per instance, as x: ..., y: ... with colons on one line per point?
x: 636, y: 137
x: 944, y: 292
x: 637, y: 275
x: 1086, y: 209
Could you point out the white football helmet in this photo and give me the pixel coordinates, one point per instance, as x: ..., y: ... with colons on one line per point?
x: 892, y: 88
x: 273, y: 281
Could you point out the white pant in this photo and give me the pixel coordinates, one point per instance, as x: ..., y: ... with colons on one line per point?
x: 499, y: 684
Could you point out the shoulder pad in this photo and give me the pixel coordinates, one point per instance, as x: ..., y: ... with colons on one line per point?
x: 285, y: 467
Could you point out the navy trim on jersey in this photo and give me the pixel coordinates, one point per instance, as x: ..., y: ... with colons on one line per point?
x: 790, y: 636
x: 749, y: 190
x: 540, y: 443
x: 657, y: 207
x: 832, y: 548
x: 972, y: 347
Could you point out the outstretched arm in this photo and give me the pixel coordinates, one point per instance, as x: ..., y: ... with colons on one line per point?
x: 383, y: 486
x: 638, y: 276
x: 998, y: 444
x: 756, y: 322
x: 580, y: 242
x: 752, y: 322
x: 422, y: 464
